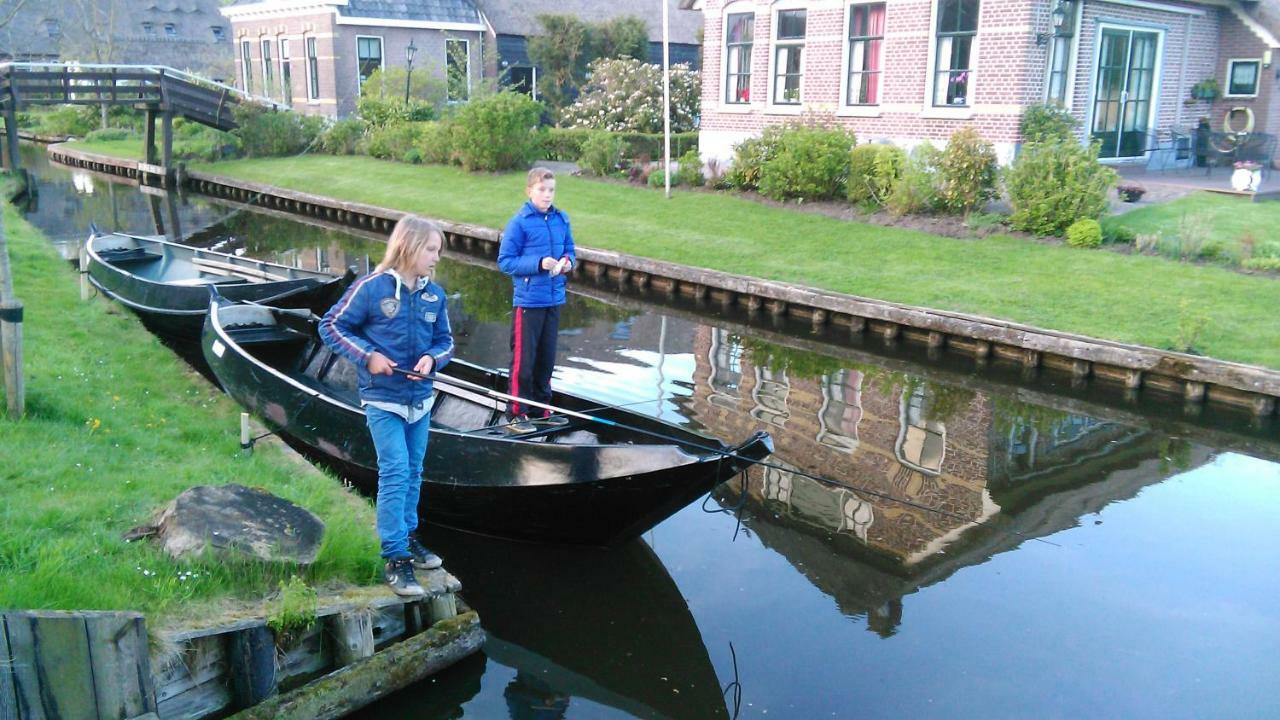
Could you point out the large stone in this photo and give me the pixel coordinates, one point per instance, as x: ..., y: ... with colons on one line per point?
x: 239, y: 519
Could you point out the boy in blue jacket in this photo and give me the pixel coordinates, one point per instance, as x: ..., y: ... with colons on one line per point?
x: 536, y: 251
x: 395, y: 317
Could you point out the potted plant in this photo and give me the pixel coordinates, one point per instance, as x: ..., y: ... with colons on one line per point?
x: 1130, y: 192
x: 1247, y: 176
x: 1206, y: 89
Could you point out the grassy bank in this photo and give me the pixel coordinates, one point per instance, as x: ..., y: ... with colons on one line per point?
x: 1140, y: 299
x: 117, y: 426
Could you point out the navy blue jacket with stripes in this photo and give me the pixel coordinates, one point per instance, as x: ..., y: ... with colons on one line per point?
x: 530, y: 236
x: 379, y: 313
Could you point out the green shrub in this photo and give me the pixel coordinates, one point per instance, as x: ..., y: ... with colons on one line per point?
x: 967, y: 172
x: 412, y: 156
x: 435, y: 142
x: 1047, y: 123
x: 690, y: 170
x: 658, y: 179
x: 873, y: 169
x: 916, y: 189
x: 1051, y: 185
x: 391, y: 142
x: 382, y: 97
x: 1268, y: 264
x: 109, y: 134
x: 1084, y: 233
x: 602, y: 153
x: 565, y: 144
x: 343, y: 137
x: 498, y: 132
x: 209, y: 145
x: 808, y: 163
x: 1267, y: 249
x: 68, y: 120
x: 1118, y: 234
x: 275, y: 134
x: 749, y: 157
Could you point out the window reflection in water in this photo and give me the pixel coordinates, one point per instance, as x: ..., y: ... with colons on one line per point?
x: 770, y: 396
x: 726, y: 369
x: 841, y: 410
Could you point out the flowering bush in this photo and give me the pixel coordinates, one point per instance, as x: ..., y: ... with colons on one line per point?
x: 625, y: 95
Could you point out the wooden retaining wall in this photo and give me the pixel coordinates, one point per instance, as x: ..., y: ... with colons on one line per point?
x: 1123, y: 367
x: 64, y: 666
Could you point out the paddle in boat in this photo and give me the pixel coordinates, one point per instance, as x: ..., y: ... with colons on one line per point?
x: 167, y: 283
x: 606, y: 477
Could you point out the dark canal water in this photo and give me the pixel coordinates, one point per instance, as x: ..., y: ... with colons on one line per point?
x: 983, y: 546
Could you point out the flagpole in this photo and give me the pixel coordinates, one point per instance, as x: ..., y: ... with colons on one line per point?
x: 666, y: 99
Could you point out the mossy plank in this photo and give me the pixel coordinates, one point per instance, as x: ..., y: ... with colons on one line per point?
x: 346, y: 689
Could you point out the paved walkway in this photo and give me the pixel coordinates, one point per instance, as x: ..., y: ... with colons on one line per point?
x: 1166, y: 185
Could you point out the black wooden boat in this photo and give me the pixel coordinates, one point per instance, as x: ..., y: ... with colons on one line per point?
x: 583, y: 483
x: 167, y: 284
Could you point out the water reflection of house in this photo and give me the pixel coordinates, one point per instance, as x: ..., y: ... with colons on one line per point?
x: 878, y: 436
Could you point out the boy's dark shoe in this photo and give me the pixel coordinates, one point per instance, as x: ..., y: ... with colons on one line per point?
x: 520, y: 425
x: 399, y: 575
x: 554, y: 421
x: 423, y: 559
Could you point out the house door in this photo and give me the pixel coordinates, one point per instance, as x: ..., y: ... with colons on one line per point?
x: 1124, y: 91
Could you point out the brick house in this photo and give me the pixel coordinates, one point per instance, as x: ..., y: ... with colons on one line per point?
x: 313, y: 54
x: 904, y: 71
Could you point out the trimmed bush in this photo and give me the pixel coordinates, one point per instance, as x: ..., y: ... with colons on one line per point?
x: 808, y: 163
x: 1047, y: 123
x: 343, y: 137
x: 435, y: 142
x: 392, y: 142
x: 1084, y: 233
x: 916, y: 190
x: 658, y: 179
x: 873, y: 169
x: 602, y: 153
x: 690, y: 170
x: 275, y: 134
x: 967, y: 172
x: 1051, y: 185
x: 749, y: 157
x: 498, y: 132
x: 565, y: 144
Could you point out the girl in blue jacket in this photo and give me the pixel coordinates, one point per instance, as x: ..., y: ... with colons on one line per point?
x: 536, y: 251
x: 395, y: 317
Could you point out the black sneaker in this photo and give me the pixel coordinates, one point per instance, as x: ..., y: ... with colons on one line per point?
x: 423, y: 559
x: 520, y: 425
x: 399, y: 575
x: 554, y: 421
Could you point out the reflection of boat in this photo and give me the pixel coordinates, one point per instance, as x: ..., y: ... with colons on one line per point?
x: 167, y: 284
x: 609, y: 626
x: 584, y: 483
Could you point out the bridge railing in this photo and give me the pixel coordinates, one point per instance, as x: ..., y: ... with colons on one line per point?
x: 49, y: 81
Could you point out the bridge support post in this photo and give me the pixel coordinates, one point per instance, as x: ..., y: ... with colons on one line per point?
x: 11, y: 134
x: 150, y: 136
x: 167, y: 125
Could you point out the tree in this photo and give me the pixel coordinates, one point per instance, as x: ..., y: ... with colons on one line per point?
x: 561, y: 53
x: 620, y: 37
x: 96, y: 39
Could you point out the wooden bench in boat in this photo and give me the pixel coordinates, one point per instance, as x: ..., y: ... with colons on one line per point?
x: 263, y: 334
x: 130, y: 256
x: 225, y: 268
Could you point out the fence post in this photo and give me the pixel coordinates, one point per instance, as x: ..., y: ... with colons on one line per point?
x: 10, y: 333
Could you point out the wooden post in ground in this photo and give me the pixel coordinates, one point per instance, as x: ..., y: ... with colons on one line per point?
x: 11, y: 132
x: 167, y: 140
x: 10, y: 335
x: 150, y: 136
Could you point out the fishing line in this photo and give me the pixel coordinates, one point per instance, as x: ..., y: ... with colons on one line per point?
x: 456, y: 382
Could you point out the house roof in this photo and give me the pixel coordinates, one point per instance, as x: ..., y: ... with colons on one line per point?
x: 1267, y: 13
x: 451, y: 11
x: 520, y: 17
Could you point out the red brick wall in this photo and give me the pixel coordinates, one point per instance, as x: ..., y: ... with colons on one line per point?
x: 1238, y: 42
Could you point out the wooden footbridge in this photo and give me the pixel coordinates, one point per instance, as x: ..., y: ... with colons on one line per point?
x: 162, y: 92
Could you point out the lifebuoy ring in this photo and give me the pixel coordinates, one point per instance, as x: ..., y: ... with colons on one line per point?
x: 1248, y: 121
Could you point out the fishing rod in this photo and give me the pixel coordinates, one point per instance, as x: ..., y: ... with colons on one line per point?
x: 463, y: 384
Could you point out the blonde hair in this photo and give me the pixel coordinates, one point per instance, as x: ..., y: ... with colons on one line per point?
x: 537, y: 175
x: 409, y: 237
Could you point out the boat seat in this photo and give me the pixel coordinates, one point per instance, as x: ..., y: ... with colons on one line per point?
x: 258, y: 334
x: 130, y: 256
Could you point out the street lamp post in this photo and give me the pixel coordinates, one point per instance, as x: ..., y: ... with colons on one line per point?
x: 409, y: 51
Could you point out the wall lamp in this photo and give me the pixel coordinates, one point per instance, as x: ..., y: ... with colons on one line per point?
x: 1059, y: 18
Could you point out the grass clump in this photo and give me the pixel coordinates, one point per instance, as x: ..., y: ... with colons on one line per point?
x: 116, y: 427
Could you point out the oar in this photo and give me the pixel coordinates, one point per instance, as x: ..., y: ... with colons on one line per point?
x: 447, y: 380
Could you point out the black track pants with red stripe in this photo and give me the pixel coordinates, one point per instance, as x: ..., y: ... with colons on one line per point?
x: 533, y: 356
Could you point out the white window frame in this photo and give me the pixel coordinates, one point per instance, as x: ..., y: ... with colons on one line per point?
x: 1257, y: 81
x: 798, y: 106
x: 246, y: 65
x: 311, y: 53
x: 382, y: 56
x: 738, y: 7
x: 466, y: 42
x: 286, y: 70
x: 928, y: 109
x: 862, y: 110
x: 268, y: 72
x: 1099, y: 27
x: 1073, y: 66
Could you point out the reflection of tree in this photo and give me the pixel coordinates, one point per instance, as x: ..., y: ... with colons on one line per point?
x: 795, y: 363
x: 261, y: 234
x: 486, y: 297
x: 1012, y: 415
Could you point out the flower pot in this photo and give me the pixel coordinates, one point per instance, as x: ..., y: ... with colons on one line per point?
x: 1130, y: 196
x: 1246, y: 179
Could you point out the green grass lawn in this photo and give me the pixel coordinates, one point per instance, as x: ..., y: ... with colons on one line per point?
x: 1104, y: 294
x: 116, y: 426
x: 1227, y: 219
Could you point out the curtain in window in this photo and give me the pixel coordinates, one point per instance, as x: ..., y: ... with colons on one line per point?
x: 866, y: 38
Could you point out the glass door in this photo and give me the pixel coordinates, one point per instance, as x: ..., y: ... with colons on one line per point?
x: 1125, y: 89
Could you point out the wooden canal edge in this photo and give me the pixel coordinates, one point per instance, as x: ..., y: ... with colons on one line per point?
x: 1123, y: 367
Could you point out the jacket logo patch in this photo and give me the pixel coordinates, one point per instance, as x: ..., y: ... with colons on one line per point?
x: 430, y: 316
x: 390, y: 306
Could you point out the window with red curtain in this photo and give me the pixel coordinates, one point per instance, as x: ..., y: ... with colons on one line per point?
x: 739, y: 37
x: 866, y: 40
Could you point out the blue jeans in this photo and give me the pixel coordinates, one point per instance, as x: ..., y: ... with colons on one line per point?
x: 401, y: 448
